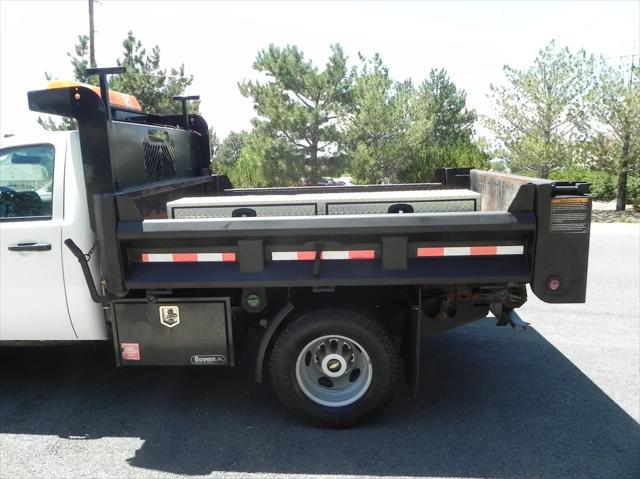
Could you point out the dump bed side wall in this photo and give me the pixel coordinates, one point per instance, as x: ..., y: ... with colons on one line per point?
x: 498, y: 190
x: 563, y: 221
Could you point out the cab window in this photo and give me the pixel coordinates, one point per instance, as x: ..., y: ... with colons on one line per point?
x: 26, y: 181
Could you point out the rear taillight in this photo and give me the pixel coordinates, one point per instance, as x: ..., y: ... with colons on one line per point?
x: 553, y: 283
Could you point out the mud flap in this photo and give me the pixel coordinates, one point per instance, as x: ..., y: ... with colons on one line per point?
x: 411, y: 349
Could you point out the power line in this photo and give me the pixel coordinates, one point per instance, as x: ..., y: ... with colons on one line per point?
x: 157, y: 76
x: 622, y: 56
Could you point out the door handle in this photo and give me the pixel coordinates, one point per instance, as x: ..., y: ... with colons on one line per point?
x: 30, y: 247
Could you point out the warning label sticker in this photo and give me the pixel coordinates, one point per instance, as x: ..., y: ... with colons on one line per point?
x: 570, y: 215
x: 130, y: 351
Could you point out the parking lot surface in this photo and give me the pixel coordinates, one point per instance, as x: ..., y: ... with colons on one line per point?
x: 559, y: 400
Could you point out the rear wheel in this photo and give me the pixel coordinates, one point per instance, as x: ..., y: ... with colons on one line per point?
x: 334, y: 367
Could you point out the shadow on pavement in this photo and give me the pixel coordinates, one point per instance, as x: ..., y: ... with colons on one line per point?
x: 493, y: 403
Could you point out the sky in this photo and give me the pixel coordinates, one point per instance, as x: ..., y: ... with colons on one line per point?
x: 218, y: 41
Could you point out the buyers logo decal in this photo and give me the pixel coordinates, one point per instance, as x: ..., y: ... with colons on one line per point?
x: 208, y: 359
x: 169, y: 316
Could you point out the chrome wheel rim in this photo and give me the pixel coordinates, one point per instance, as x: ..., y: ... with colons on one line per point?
x: 333, y: 371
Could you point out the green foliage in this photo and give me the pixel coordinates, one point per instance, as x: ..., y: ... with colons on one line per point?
x: 615, y: 106
x: 377, y: 124
x: 429, y: 158
x: 80, y: 61
x: 399, y: 134
x: 440, y: 130
x: 598, y: 153
x: 603, y: 183
x: 299, y: 106
x: 541, y: 110
x: 145, y: 79
x: 439, y: 115
x: 228, y: 153
x: 148, y: 81
x: 264, y: 161
x: 214, y: 144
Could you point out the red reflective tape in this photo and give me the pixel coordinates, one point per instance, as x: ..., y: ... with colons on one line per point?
x: 229, y: 257
x: 306, y: 255
x: 362, y: 254
x: 422, y: 252
x: 484, y: 250
x: 185, y: 258
x: 145, y: 257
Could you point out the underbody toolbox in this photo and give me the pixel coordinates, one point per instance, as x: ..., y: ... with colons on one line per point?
x: 179, y: 332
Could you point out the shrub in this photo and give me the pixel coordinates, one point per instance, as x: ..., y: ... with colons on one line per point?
x: 603, y: 184
x: 423, y: 164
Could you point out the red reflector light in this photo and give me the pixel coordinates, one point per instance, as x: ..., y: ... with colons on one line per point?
x: 553, y: 283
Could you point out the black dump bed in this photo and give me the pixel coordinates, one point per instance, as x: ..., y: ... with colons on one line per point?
x: 527, y: 231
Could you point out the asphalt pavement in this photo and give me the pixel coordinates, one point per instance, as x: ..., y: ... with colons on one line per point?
x: 559, y: 400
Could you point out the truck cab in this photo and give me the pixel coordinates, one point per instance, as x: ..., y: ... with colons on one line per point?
x: 44, y: 295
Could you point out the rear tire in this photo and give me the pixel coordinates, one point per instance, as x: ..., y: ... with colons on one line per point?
x: 334, y: 367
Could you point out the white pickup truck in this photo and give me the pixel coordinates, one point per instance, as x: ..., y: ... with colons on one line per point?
x: 340, y: 291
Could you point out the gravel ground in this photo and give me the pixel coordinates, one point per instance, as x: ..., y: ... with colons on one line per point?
x: 605, y: 212
x: 608, y: 216
x: 559, y: 400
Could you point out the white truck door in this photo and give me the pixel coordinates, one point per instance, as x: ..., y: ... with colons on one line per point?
x: 33, y: 304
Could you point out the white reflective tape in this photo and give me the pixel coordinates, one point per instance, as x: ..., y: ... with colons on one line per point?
x: 457, y: 251
x: 483, y: 250
x: 284, y: 255
x: 159, y: 258
x: 188, y: 257
x: 326, y: 255
x: 335, y: 255
x: 209, y: 256
x: 519, y: 249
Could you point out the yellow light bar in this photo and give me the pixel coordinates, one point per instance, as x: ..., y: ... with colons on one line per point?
x: 116, y: 98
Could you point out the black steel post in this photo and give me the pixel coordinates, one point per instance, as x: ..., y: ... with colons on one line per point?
x: 104, y: 84
x: 183, y: 100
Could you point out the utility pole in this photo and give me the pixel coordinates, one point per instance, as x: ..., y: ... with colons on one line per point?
x: 92, y: 49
